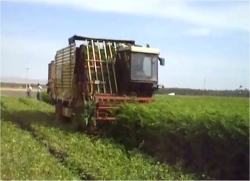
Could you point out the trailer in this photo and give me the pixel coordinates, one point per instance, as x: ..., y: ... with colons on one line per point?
x: 96, y: 77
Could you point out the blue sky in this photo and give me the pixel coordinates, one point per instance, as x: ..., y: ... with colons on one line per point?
x: 199, y: 39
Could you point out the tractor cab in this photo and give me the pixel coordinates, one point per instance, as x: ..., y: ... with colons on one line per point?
x: 139, y: 66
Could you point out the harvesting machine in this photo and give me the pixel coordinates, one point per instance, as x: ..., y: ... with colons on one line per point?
x: 98, y: 75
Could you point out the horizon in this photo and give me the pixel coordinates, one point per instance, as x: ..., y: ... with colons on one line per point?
x: 201, y: 41
x: 43, y: 82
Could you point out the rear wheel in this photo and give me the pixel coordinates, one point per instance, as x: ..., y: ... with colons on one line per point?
x: 58, y: 111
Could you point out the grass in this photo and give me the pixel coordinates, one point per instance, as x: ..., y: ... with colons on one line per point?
x: 87, y: 158
x: 22, y: 158
x: 173, y: 138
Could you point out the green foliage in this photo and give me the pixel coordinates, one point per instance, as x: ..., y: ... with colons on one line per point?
x: 86, y: 117
x: 209, y: 135
x: 205, y: 135
x: 46, y: 97
x: 22, y: 158
x: 90, y: 158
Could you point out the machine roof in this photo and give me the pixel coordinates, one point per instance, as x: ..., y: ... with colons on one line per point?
x: 140, y: 49
x: 82, y: 38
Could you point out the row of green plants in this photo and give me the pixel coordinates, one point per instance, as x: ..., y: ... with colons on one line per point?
x: 22, y: 158
x: 204, y: 133
x: 208, y: 135
x: 46, y: 97
x: 91, y: 158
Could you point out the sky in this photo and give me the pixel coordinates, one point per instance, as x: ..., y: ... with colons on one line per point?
x: 204, y: 43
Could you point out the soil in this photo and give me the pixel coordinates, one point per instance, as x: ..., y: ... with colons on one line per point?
x: 15, y: 92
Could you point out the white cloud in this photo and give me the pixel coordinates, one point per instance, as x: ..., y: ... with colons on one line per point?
x: 230, y: 16
x: 199, y: 32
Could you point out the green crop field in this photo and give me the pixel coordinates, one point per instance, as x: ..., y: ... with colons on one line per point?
x: 174, y: 138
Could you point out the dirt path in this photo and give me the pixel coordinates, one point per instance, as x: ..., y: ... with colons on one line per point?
x: 12, y: 89
x: 14, y: 92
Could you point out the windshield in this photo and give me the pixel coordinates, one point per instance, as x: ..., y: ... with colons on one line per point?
x: 144, y: 66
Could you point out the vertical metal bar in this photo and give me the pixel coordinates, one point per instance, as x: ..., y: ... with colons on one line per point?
x: 96, y: 75
x: 62, y: 84
x: 70, y: 77
x: 56, y: 74
x: 83, y: 62
x: 100, y: 57
x: 116, y: 88
x: 106, y: 57
x: 126, y: 59
x: 90, y: 77
x: 72, y: 68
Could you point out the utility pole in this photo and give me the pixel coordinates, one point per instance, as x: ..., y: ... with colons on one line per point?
x: 27, y: 75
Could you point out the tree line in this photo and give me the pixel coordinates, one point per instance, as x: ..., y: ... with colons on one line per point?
x: 200, y: 92
x: 178, y: 91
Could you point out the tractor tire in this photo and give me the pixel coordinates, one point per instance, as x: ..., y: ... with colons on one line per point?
x: 58, y: 111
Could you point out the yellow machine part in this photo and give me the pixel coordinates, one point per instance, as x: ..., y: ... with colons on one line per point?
x: 100, y: 66
x: 100, y: 59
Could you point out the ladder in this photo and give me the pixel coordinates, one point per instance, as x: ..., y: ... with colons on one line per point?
x: 99, y: 65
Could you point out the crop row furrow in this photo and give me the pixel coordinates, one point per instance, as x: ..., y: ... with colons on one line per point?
x: 59, y: 155
x: 23, y: 158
